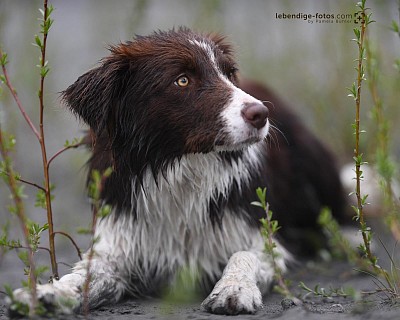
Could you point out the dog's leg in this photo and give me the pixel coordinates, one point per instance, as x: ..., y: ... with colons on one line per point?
x: 246, y: 277
x: 67, y: 294
x: 108, y: 280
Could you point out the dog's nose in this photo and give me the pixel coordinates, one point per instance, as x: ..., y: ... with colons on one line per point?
x: 256, y: 114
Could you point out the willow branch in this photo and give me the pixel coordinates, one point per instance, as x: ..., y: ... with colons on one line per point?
x: 43, y: 73
x: 72, y: 146
x: 24, y: 181
x: 72, y: 241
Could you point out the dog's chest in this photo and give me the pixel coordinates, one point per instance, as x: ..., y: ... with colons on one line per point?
x: 173, y: 229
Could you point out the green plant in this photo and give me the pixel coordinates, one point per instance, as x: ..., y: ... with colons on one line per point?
x: 32, y: 231
x: 45, y: 190
x: 328, y: 293
x: 386, y: 167
x: 45, y: 25
x: 10, y: 176
x: 355, y: 92
x: 338, y: 244
x: 390, y: 285
x: 100, y: 210
x: 386, y: 281
x: 269, y: 228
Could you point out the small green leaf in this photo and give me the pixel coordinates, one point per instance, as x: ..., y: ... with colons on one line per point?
x: 364, y: 200
x: 9, y: 291
x: 257, y: 204
x: 104, y: 211
x: 40, y: 199
x: 357, y: 33
x: 44, y: 70
x: 107, y: 173
x: 38, y: 42
x: 84, y: 231
x: 3, y: 59
x: 50, y: 9
x: 395, y: 26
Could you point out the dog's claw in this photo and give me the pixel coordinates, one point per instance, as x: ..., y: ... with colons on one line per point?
x: 233, y: 299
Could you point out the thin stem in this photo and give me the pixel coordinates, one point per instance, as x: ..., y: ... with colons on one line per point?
x: 25, y: 181
x: 271, y: 245
x: 358, y: 131
x: 72, y: 241
x: 360, y: 77
x: 10, y: 246
x: 72, y: 146
x: 95, y: 189
x: 65, y: 264
x: 86, y: 287
x: 46, y: 174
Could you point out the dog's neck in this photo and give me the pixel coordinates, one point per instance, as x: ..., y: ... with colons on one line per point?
x: 191, y: 183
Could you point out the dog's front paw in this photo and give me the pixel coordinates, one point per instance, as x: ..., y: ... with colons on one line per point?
x: 52, y: 300
x: 233, y: 299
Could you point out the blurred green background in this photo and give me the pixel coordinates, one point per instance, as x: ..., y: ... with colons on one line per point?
x: 309, y: 65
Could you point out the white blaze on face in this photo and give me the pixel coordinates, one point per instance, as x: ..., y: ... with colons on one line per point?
x: 240, y: 133
x: 208, y: 50
x: 238, y: 130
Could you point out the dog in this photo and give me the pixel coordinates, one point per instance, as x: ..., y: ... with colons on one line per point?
x: 188, y: 146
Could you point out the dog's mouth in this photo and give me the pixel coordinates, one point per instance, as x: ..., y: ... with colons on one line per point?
x: 221, y: 146
x: 238, y: 141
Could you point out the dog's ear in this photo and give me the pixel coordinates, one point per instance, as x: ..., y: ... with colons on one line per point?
x: 94, y: 96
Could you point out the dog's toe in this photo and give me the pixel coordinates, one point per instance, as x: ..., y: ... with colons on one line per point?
x: 234, y: 299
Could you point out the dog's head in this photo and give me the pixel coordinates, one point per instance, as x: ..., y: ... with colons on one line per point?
x: 165, y: 95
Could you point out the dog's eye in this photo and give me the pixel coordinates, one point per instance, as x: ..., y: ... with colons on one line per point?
x: 232, y: 73
x: 182, y: 81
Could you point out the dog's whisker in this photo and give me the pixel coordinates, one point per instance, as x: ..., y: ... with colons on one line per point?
x: 269, y: 103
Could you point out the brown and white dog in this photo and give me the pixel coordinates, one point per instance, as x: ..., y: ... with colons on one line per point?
x: 188, y: 147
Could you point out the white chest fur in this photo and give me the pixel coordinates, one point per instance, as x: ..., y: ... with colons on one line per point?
x: 173, y: 228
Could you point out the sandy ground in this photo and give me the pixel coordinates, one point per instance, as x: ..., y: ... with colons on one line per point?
x: 333, y: 274
x: 328, y: 274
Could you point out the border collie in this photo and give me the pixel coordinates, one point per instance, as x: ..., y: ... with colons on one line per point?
x: 188, y: 148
